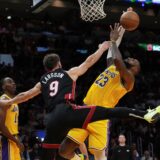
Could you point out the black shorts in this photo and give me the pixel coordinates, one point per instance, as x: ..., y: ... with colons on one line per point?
x: 63, y: 118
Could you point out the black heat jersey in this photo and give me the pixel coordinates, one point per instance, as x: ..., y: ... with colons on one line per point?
x: 56, y: 87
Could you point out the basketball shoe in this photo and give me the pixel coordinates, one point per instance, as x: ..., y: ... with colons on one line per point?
x: 153, y: 115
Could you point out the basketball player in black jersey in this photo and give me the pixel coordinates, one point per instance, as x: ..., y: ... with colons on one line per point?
x: 57, y: 88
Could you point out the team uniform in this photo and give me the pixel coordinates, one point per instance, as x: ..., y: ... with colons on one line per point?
x: 105, y: 91
x: 9, y: 150
x: 58, y: 92
x: 62, y: 114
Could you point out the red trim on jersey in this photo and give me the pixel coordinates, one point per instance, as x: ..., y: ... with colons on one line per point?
x: 71, y: 96
x: 89, y: 116
x: 73, y: 89
x: 50, y: 146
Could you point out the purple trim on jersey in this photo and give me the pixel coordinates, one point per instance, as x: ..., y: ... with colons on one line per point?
x: 5, y: 152
x: 108, y: 134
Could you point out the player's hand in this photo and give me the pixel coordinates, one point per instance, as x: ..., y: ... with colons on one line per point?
x: 130, y: 9
x: 115, y: 32
x: 20, y: 146
x: 105, y: 45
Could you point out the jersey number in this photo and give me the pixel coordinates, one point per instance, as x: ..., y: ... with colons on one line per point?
x: 53, y: 87
x: 102, y: 80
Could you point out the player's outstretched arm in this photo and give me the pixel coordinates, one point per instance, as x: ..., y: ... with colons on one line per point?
x: 90, y: 61
x: 25, y: 96
x: 126, y: 75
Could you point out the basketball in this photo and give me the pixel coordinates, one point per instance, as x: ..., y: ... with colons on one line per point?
x: 129, y: 20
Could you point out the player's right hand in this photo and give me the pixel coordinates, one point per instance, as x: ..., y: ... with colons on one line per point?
x: 115, y: 32
x: 20, y: 146
x: 130, y: 9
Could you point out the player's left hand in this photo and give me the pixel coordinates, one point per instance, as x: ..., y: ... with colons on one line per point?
x: 115, y: 32
x: 20, y: 146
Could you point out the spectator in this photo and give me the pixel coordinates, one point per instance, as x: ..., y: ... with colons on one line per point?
x: 34, y: 153
x: 135, y: 153
x: 146, y: 156
x: 122, y: 151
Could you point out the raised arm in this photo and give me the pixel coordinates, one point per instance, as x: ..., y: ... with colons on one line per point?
x: 126, y: 75
x: 109, y: 57
x: 25, y: 96
x: 90, y: 61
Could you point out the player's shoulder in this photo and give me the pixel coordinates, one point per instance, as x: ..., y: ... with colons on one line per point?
x: 4, y: 97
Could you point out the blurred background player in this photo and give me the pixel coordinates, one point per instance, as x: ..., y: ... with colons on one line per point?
x: 109, y: 87
x: 10, y: 146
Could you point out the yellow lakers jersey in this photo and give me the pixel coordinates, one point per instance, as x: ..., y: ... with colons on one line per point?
x: 107, y: 89
x: 12, y: 114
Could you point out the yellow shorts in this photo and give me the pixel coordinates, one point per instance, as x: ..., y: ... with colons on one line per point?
x: 9, y: 150
x: 98, y: 133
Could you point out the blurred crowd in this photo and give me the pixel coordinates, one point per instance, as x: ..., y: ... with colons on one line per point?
x: 27, y: 41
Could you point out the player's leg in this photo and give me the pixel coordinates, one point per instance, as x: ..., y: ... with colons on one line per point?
x: 83, y: 150
x: 75, y: 137
x: 67, y: 149
x: 124, y: 112
x: 119, y: 112
x: 98, y: 138
x: 53, y: 138
x: 50, y: 154
x: 81, y: 118
x: 49, y: 149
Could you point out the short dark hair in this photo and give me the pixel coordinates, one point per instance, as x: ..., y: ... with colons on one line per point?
x: 121, y: 134
x: 3, y: 81
x: 50, y: 61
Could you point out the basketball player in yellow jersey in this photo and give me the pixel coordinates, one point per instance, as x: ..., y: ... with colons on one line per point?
x: 10, y: 147
x: 109, y: 87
